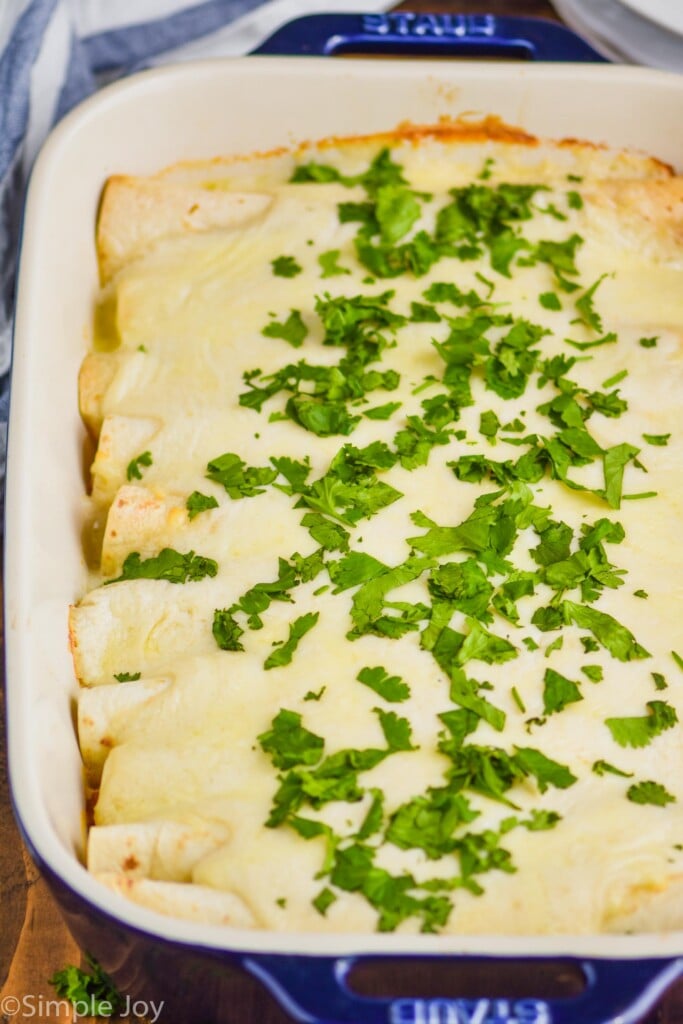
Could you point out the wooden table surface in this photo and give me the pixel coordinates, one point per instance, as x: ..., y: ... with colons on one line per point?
x: 34, y: 941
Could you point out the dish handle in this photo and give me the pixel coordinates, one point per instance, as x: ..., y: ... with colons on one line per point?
x: 314, y: 990
x: 452, y: 35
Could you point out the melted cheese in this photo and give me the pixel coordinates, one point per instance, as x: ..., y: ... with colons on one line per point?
x: 179, y: 748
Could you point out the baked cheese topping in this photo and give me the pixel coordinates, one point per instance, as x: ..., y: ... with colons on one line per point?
x: 384, y: 621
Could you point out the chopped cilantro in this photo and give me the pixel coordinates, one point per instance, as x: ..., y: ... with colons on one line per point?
x: 330, y: 536
x: 288, y: 743
x: 583, y: 346
x: 292, y: 330
x: 660, y: 440
x: 650, y: 793
x: 640, y: 593
x: 593, y: 672
x: 489, y: 424
x: 391, y: 688
x: 640, y: 731
x: 421, y: 313
x: 285, y: 266
x: 324, y: 900
x: 586, y: 308
x: 602, y: 767
x: 546, y: 771
x: 198, y: 502
x: 659, y: 680
x: 396, y: 211
x: 558, y: 692
x: 615, y: 379
x: 382, y: 412
x: 312, y: 695
x: 368, y: 601
x: 397, y: 731
x: 607, y: 631
x: 239, y: 480
x: 550, y: 300
x: 574, y: 200
x: 428, y: 822
x: 329, y: 264
x: 518, y: 700
x: 95, y: 990
x: 133, y: 470
x: 127, y: 677
x: 226, y: 631
x: 678, y: 659
x: 282, y: 655
x: 168, y: 565
x: 648, y: 342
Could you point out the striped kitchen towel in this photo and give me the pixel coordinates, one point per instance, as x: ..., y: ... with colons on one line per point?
x: 54, y: 53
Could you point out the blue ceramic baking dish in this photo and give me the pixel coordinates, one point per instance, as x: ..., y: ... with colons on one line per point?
x: 205, y: 973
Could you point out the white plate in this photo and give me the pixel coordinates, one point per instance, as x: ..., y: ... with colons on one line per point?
x: 667, y: 13
x: 622, y: 35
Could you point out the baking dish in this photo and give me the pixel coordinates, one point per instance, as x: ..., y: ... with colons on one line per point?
x: 219, y: 108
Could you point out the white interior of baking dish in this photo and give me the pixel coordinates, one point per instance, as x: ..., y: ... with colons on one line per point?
x: 138, y: 126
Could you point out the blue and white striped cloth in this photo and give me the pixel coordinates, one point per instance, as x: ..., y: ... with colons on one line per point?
x: 54, y: 53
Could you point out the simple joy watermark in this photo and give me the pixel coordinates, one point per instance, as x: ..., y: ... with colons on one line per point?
x: 31, y: 1007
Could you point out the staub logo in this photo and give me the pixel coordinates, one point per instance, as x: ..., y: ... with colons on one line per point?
x: 423, y: 26
x: 469, y: 1011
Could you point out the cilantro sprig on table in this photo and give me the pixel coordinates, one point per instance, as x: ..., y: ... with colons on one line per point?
x: 94, y: 989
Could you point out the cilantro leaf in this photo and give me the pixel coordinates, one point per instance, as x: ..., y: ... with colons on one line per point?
x: 198, y: 502
x: 481, y: 645
x: 660, y: 440
x: 586, y: 309
x: 372, y: 822
x: 382, y: 412
x: 615, y: 460
x: 396, y: 211
x: 428, y: 822
x: 168, y: 565
x: 368, y: 601
x: 650, y: 793
x: 611, y: 634
x: 558, y: 692
x: 640, y: 731
x: 546, y: 771
x: 95, y: 990
x: 464, y: 585
x: 226, y: 631
x: 239, y: 480
x: 324, y: 900
x: 466, y: 692
x: 285, y: 266
x: 283, y: 654
x: 288, y: 743
x: 133, y: 470
x: 259, y: 597
x: 391, y: 688
x: 329, y: 264
x: 397, y: 731
x: 330, y: 536
x: 603, y: 767
x: 292, y: 330
x: 357, y: 567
